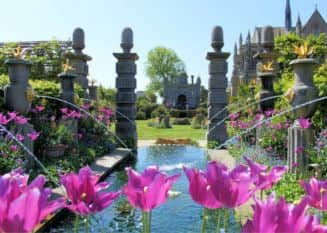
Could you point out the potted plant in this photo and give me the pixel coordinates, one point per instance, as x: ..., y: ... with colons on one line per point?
x: 57, y: 141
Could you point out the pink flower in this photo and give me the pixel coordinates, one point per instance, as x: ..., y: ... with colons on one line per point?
x: 85, y: 195
x: 316, y: 192
x: 13, y: 148
x: 64, y: 110
x: 17, y: 198
x: 21, y: 120
x: 231, y: 188
x: 39, y: 108
x: 234, y: 116
x: 269, y: 149
x: 20, y: 137
x: 33, y: 136
x: 12, y: 115
x: 149, y: 189
x: 269, y: 113
x: 200, y: 189
x: 264, y: 179
x: 272, y: 217
x: 312, y: 225
x: 3, y: 119
x: 299, y: 150
x: 233, y: 124
x: 258, y: 116
x: 304, y: 123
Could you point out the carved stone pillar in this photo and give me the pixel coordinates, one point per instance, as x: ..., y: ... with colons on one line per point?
x: 126, y: 85
x: 79, y: 60
x: 217, y: 96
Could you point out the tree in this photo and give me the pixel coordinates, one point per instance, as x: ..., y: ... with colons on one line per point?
x: 162, y: 64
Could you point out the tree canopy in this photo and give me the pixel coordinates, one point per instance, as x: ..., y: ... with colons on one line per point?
x: 162, y: 64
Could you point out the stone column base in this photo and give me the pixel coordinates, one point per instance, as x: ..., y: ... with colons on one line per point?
x: 298, y: 140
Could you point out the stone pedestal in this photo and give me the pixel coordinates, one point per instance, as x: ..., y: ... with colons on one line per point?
x: 25, y: 130
x: 79, y: 60
x: 298, y: 140
x: 93, y: 92
x: 217, y: 96
x: 303, y: 91
x: 18, y: 93
x: 126, y: 85
x: 67, y: 86
x: 267, y: 90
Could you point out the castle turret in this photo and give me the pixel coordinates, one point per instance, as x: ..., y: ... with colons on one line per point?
x: 288, y: 16
x: 298, y: 25
x: 240, y: 42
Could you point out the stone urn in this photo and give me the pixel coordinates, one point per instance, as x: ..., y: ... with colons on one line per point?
x: 18, y: 93
x: 67, y: 86
x: 303, y: 89
x: 267, y: 90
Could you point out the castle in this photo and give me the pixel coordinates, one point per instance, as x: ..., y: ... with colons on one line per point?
x: 182, y: 95
x: 244, y: 70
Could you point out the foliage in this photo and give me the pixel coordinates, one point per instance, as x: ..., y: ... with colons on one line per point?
x: 181, y: 121
x: 146, y: 104
x: 162, y: 64
x: 159, y: 111
x: 47, y: 59
x: 198, y: 121
x: 10, y: 155
x: 140, y: 115
x: 107, y: 96
x: 289, y: 188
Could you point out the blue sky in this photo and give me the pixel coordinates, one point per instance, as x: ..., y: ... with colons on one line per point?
x: 183, y: 25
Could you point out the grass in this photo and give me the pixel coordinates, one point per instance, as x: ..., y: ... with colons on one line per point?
x: 146, y: 132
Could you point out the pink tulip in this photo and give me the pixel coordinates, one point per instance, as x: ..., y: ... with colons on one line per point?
x: 12, y: 115
x: 149, y: 189
x: 234, y: 116
x: 316, y: 192
x: 84, y: 193
x: 269, y: 113
x: 20, y: 137
x: 262, y: 178
x: 17, y: 198
x: 200, y: 189
x: 39, y: 108
x: 312, y: 225
x: 299, y: 150
x: 13, y: 148
x: 273, y: 217
x: 304, y: 123
x: 230, y: 188
x: 3, y: 119
x: 33, y: 136
x: 21, y: 120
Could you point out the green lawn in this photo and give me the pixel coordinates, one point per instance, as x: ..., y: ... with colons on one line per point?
x: 177, y: 131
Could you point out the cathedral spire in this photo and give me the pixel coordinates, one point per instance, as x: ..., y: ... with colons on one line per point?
x: 288, y: 16
x: 298, y: 25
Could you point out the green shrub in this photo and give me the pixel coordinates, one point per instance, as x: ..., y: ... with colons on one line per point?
x: 198, y: 121
x: 181, y: 121
x: 161, y: 110
x: 140, y: 115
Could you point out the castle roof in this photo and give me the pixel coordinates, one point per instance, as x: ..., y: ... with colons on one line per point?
x: 316, y: 24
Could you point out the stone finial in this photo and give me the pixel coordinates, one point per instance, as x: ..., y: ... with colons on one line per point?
x: 127, y: 40
x: 78, y: 39
x: 217, y: 39
x: 268, y: 37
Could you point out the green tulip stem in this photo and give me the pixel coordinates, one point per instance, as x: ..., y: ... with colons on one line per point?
x: 218, y: 221
x: 204, y: 220
x: 261, y: 195
x: 76, y: 223
x: 146, y: 220
x: 226, y: 221
x: 87, y: 224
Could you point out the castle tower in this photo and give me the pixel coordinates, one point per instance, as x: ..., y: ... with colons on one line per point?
x: 235, y: 75
x: 288, y: 16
